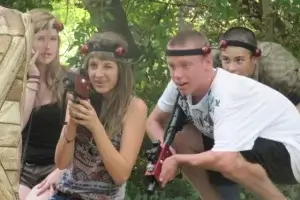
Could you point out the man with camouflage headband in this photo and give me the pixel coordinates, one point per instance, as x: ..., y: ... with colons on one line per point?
x: 267, y: 62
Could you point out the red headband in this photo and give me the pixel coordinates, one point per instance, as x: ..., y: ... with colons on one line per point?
x: 87, y: 48
x: 58, y: 26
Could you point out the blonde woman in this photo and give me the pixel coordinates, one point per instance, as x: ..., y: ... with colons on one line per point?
x: 42, y: 125
x: 100, y: 143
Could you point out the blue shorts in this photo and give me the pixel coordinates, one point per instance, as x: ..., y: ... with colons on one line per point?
x: 62, y: 196
x: 229, y: 192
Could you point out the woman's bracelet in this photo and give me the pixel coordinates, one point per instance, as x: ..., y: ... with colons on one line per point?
x: 32, y: 77
x: 34, y: 89
x: 33, y: 81
x: 65, y: 137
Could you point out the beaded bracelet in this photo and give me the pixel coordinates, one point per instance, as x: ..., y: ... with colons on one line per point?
x: 32, y: 88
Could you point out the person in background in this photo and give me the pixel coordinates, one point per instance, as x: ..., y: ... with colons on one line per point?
x: 239, y: 53
x: 43, y: 107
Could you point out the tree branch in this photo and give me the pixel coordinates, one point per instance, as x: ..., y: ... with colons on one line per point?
x: 268, y: 20
x: 253, y: 11
x: 115, y: 21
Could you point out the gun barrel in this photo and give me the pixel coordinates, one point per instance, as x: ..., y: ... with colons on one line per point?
x: 151, y: 187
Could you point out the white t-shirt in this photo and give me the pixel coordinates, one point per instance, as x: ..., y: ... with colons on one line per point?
x: 237, y: 110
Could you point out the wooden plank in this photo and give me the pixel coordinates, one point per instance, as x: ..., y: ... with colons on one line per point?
x: 9, y: 135
x: 10, y: 113
x: 15, y: 91
x: 13, y: 179
x: 6, y: 191
x: 12, y: 65
x: 9, y: 158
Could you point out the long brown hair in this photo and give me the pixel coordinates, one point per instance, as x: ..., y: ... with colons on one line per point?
x: 113, y: 109
x: 42, y: 20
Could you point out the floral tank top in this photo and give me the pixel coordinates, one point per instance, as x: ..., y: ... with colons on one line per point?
x: 87, y: 177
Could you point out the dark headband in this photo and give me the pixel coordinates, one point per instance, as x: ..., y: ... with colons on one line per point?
x: 225, y: 43
x: 236, y: 43
x: 188, y: 52
x: 97, y: 46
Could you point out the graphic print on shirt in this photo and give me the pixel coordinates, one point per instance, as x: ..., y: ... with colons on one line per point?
x: 212, y: 103
x: 185, y: 107
x: 200, y: 113
x: 202, y: 119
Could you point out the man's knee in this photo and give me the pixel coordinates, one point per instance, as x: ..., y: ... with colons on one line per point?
x: 189, y: 140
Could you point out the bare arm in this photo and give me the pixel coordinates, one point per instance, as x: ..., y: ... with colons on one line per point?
x: 64, y: 152
x: 32, y: 87
x: 160, y: 115
x: 156, y: 123
x: 119, y: 164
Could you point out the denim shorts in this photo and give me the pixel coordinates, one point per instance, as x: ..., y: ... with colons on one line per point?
x: 62, y: 196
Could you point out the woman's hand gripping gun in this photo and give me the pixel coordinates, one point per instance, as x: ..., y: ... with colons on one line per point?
x: 160, y: 151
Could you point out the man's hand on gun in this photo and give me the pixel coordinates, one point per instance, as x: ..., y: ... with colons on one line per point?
x: 159, y: 154
x: 169, y: 170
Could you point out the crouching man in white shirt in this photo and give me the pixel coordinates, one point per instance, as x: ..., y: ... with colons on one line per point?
x: 255, y: 129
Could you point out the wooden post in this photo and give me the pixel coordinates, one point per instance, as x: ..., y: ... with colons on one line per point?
x: 16, y: 34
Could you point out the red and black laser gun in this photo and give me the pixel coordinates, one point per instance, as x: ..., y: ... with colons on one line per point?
x: 77, y: 83
x: 160, y: 151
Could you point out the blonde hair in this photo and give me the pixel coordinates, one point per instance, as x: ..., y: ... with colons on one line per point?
x: 42, y: 20
x: 114, y: 108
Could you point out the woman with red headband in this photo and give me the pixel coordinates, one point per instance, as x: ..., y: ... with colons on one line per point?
x: 41, y: 120
x: 104, y: 128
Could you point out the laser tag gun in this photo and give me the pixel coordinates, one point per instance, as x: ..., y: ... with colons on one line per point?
x: 77, y: 83
x: 159, y: 152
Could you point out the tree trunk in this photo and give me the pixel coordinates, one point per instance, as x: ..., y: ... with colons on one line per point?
x: 268, y: 20
x: 114, y: 20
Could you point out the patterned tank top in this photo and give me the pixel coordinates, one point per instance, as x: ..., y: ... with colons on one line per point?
x: 87, y: 177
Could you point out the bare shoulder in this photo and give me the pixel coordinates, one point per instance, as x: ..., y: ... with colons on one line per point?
x: 137, y: 105
x: 136, y: 114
